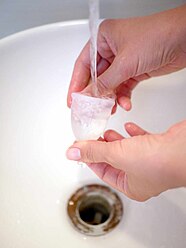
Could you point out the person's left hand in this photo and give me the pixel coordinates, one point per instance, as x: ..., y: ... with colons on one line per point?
x: 141, y: 166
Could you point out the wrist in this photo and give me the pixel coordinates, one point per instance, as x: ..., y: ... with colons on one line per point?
x: 174, y: 155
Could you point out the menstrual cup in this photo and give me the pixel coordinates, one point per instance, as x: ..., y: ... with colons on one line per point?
x: 89, y: 115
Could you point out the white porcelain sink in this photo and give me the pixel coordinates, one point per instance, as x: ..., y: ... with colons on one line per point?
x: 36, y: 179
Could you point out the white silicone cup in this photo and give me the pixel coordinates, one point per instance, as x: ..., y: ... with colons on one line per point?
x: 89, y: 115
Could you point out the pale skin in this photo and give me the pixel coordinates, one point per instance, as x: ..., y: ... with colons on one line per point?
x: 129, y: 51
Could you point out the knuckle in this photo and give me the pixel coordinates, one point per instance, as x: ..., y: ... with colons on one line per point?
x: 89, y: 154
x: 105, y: 24
x: 94, y: 152
x: 114, y: 154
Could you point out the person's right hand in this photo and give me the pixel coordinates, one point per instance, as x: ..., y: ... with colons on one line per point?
x: 131, y: 50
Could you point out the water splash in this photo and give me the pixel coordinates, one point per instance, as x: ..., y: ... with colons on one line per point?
x: 93, y: 26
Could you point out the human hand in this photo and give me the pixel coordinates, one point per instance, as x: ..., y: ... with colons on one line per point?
x: 131, y: 50
x: 141, y: 166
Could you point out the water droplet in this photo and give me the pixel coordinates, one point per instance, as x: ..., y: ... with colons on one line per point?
x: 83, y: 165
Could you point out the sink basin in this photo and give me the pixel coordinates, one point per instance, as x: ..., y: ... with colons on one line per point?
x: 36, y: 179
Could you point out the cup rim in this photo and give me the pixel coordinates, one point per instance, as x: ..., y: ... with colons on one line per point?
x: 74, y: 95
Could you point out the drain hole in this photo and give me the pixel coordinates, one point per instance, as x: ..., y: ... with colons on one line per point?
x: 94, y: 210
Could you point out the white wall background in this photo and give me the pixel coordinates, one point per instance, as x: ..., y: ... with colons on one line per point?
x: 17, y: 15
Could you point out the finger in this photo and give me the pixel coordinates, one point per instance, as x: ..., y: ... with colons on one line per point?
x: 142, y: 77
x: 81, y: 73
x: 95, y: 151
x: 125, y: 102
x: 114, y: 177
x: 121, y: 70
x: 134, y: 130
x: 114, y: 108
x: 115, y: 153
x: 124, y: 92
x: 102, y: 66
x: 111, y: 135
x: 110, y: 79
x: 119, y: 153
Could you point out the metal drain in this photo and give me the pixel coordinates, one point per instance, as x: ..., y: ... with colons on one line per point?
x: 95, y: 210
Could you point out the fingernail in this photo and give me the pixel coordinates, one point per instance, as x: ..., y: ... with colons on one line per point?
x: 73, y: 154
x: 127, y: 105
x: 128, y: 125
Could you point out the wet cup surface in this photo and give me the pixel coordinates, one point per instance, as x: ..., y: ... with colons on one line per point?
x: 89, y: 115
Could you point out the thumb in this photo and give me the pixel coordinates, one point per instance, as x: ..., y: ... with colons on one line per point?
x: 120, y: 153
x: 96, y: 152
x: 121, y: 69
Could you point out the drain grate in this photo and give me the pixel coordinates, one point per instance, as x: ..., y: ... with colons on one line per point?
x: 95, y: 210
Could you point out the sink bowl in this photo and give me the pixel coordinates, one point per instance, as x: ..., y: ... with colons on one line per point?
x: 36, y: 179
